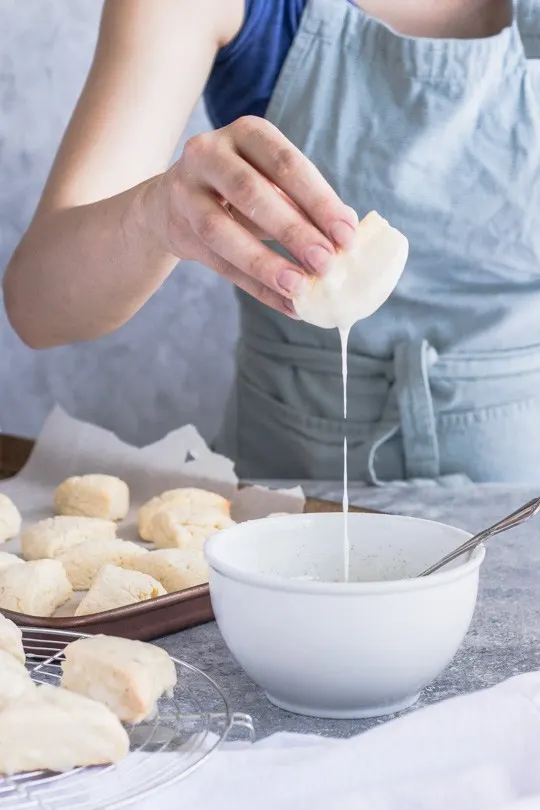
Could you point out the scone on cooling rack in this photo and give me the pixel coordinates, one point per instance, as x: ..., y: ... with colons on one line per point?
x: 36, y: 588
x: 52, y: 536
x: 15, y: 682
x: 116, y: 587
x: 9, y: 559
x: 10, y: 519
x: 177, y: 527
x: 11, y: 639
x: 100, y: 496
x: 176, y: 568
x: 127, y: 676
x: 83, y: 561
x: 66, y: 730
x: 190, y: 499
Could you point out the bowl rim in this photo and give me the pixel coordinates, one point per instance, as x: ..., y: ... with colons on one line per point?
x: 316, y: 587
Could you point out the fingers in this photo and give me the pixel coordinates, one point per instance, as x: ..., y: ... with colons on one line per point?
x: 227, y: 239
x: 258, y: 201
x: 267, y: 149
x: 245, y: 282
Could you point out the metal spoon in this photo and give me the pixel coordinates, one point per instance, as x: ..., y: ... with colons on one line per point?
x: 519, y: 516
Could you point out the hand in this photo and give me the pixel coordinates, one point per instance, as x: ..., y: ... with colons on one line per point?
x: 238, y: 185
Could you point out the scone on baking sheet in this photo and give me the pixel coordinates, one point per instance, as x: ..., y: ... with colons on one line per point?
x: 176, y: 527
x: 9, y: 559
x: 116, y: 587
x: 15, y: 682
x: 190, y: 498
x: 66, y: 731
x: 36, y: 588
x: 127, y: 676
x: 10, y: 519
x: 11, y: 639
x: 83, y: 561
x: 176, y: 568
x: 100, y: 496
x: 52, y: 536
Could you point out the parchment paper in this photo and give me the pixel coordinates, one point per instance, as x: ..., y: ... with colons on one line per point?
x: 68, y: 447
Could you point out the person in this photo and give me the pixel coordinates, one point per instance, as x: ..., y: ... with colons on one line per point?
x: 428, y: 113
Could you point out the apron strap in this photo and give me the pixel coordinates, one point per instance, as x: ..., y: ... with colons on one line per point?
x: 417, y: 424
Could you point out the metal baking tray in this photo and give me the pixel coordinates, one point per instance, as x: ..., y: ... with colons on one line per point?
x: 144, y: 620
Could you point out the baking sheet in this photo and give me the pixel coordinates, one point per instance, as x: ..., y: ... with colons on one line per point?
x: 69, y: 447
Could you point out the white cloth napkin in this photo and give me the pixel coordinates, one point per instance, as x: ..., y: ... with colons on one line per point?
x: 476, y: 752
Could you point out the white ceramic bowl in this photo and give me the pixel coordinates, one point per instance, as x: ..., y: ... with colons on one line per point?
x: 328, y: 648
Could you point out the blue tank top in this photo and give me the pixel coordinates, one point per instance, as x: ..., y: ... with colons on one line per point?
x: 246, y: 70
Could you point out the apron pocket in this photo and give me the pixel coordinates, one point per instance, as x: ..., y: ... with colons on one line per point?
x: 274, y: 440
x: 493, y: 444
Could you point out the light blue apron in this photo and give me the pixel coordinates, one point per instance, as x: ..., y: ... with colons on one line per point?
x: 441, y: 137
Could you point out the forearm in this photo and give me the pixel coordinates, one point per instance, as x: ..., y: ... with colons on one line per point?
x: 81, y: 272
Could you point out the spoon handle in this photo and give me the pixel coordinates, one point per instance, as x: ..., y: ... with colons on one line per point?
x: 522, y: 514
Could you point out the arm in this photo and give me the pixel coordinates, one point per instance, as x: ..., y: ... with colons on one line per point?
x: 88, y: 261
x: 113, y: 220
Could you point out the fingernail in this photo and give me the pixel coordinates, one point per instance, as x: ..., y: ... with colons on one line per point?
x: 318, y: 258
x: 342, y: 233
x: 288, y: 306
x: 352, y: 216
x: 291, y: 281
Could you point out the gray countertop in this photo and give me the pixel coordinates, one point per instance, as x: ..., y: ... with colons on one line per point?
x: 504, y: 639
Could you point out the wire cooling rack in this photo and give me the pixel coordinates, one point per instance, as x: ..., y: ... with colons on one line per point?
x: 187, y: 729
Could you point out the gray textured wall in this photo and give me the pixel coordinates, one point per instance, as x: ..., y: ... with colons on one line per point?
x: 173, y: 362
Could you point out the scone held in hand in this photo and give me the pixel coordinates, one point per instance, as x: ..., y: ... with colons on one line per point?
x: 359, y: 279
x: 116, y: 587
x: 100, y: 496
x: 127, y: 676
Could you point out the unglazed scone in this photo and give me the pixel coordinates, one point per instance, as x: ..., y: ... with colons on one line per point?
x: 176, y: 568
x: 9, y: 559
x: 127, y: 676
x: 115, y: 587
x: 36, y: 588
x: 10, y: 519
x: 67, y: 731
x: 100, y: 496
x: 177, y: 527
x: 52, y: 536
x: 359, y: 279
x: 83, y: 561
x: 11, y: 639
x: 190, y: 498
x: 15, y: 681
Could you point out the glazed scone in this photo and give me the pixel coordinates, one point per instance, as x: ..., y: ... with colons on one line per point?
x: 10, y: 519
x: 176, y: 568
x: 9, y: 559
x: 190, y: 498
x: 83, y: 561
x: 15, y: 682
x: 176, y: 527
x: 359, y: 279
x: 52, y: 536
x: 127, y: 676
x: 100, y: 496
x: 11, y: 639
x: 67, y: 731
x: 36, y: 588
x: 115, y: 587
